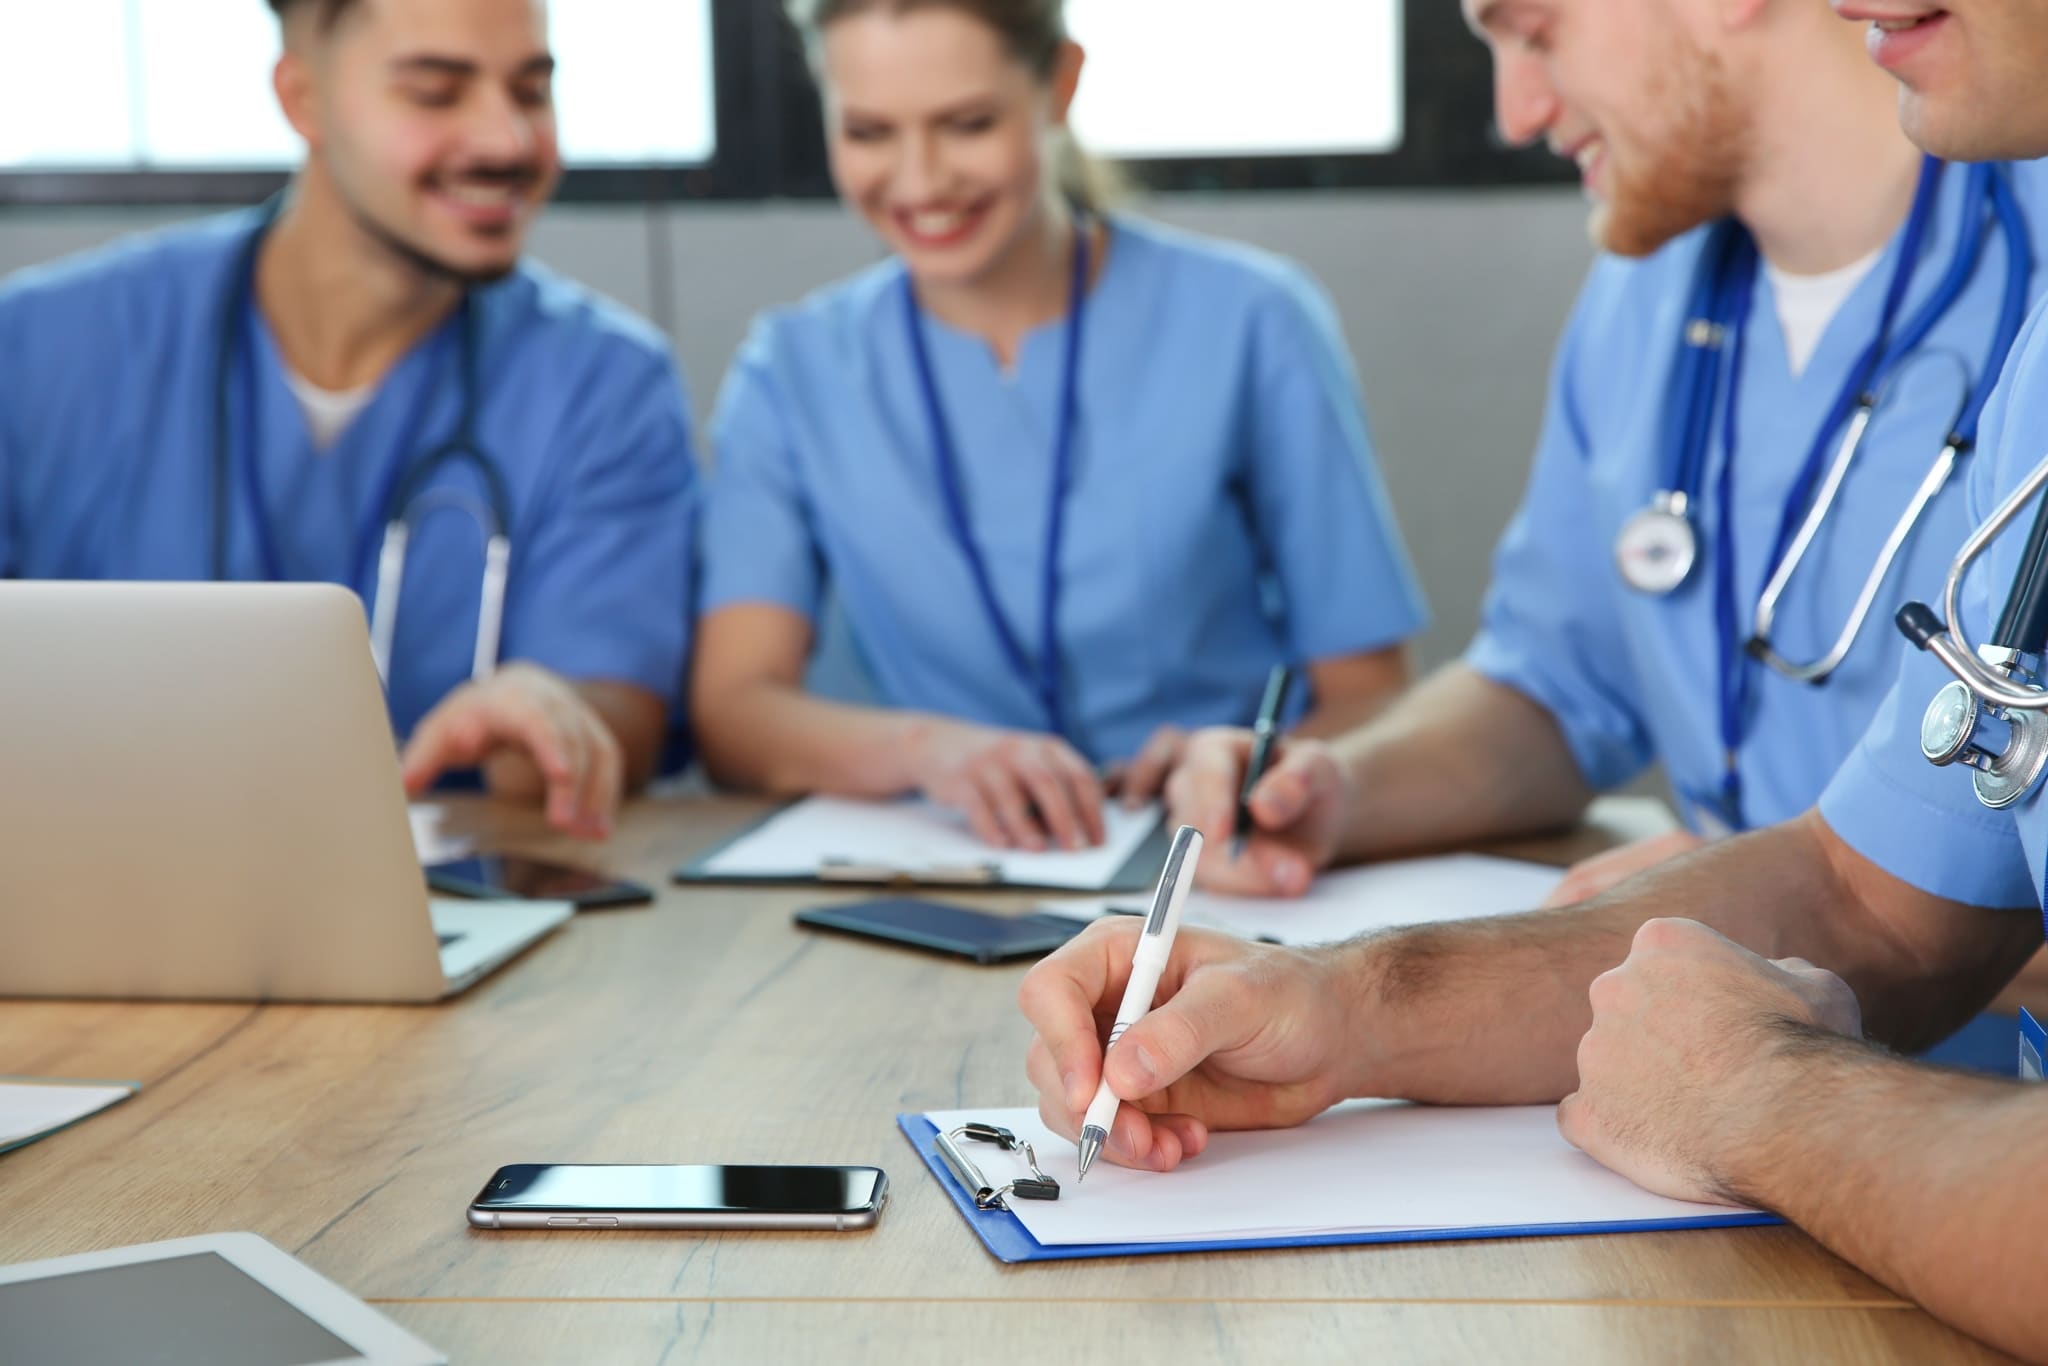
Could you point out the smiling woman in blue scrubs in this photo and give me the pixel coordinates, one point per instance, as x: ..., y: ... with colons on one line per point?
x: 256, y: 396
x: 1076, y: 481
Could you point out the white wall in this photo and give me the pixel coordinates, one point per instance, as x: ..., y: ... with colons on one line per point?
x: 1451, y: 301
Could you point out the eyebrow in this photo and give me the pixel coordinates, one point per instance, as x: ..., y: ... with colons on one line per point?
x: 973, y: 104
x: 429, y: 64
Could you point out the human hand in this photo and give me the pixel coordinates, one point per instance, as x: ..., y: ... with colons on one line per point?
x: 1298, y: 810
x: 1590, y: 877
x: 1673, y: 1087
x: 1142, y: 777
x: 1242, y: 1037
x: 1018, y: 790
x: 536, y: 719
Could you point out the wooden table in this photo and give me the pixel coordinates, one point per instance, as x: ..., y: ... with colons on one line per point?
x: 708, y: 1029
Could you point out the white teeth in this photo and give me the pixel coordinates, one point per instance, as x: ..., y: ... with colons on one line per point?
x: 936, y: 224
x: 1587, y: 155
x: 1895, y: 25
x: 490, y: 196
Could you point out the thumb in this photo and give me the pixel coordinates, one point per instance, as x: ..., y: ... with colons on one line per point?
x: 1205, y: 1017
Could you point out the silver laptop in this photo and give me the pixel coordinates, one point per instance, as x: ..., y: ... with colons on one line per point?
x: 199, y: 799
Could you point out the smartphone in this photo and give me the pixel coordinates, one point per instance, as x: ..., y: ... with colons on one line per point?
x: 509, y: 877
x: 956, y: 930
x: 554, y: 1196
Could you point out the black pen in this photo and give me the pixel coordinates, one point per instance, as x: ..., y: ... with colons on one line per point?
x: 1264, y: 731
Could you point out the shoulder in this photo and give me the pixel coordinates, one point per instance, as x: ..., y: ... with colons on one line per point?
x: 556, y: 320
x: 836, y: 325
x: 1214, y: 272
x: 166, y: 272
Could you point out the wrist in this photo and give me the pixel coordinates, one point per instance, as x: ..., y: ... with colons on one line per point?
x: 911, y: 748
x: 1352, y: 976
x: 1770, y: 1107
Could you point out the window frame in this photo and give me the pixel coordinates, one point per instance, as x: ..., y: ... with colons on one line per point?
x: 771, y: 141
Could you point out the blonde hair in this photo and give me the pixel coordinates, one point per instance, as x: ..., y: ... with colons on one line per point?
x: 1033, y: 32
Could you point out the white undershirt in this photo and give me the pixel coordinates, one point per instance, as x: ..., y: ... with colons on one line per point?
x: 1808, y: 303
x: 327, y: 411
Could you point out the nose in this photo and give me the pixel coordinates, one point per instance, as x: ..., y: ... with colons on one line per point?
x: 920, y: 168
x: 500, y: 131
x: 1525, y: 103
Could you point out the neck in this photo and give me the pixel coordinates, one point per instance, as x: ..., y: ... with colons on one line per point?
x: 343, y: 307
x: 1830, y: 176
x: 1026, y: 287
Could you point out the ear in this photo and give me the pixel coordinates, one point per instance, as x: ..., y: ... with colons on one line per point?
x: 292, y: 79
x: 1066, y: 79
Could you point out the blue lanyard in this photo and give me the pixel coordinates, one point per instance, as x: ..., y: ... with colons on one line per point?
x: 255, y: 496
x: 1044, y: 677
x: 1984, y: 185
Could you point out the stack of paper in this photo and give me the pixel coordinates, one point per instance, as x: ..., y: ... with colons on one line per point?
x: 836, y: 837
x: 31, y: 1109
x: 1350, y: 902
x: 1365, y: 1168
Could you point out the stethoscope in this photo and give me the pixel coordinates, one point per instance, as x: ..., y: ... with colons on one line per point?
x: 1658, y: 547
x: 1043, y: 673
x: 406, y: 499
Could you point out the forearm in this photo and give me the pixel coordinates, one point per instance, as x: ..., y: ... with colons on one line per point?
x: 1353, y: 690
x: 1492, y: 1011
x: 776, y: 738
x: 1458, y: 760
x: 1930, y: 1180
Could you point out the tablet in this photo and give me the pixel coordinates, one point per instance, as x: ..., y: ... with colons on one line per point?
x: 227, y: 1299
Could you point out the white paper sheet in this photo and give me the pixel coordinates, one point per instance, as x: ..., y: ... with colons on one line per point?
x: 430, y: 841
x: 1353, y: 900
x: 30, y: 1109
x: 919, y: 838
x: 1366, y: 1166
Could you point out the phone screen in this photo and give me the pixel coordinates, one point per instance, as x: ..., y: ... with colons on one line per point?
x: 662, y: 1190
x: 527, y: 879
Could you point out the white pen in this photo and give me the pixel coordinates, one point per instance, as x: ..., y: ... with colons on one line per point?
x: 1155, y: 946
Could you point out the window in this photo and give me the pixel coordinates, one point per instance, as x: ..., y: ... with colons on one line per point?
x: 1224, y: 78
x: 185, y: 84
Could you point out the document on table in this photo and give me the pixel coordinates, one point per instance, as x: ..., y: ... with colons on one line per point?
x: 33, y: 1108
x: 1369, y: 1167
x: 839, y: 839
x: 1352, y: 901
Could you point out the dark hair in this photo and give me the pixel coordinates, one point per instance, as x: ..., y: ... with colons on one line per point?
x: 330, y: 10
x: 1032, y: 31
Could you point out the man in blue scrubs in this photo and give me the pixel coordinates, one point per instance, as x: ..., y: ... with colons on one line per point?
x: 243, y: 398
x: 1716, y: 1062
x: 1579, y: 680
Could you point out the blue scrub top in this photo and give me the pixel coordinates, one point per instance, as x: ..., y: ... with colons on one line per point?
x: 1225, y: 513
x: 1632, y: 678
x: 110, y: 365
x: 1922, y: 824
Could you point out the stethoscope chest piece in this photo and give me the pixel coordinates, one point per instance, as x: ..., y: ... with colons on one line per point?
x: 2007, y: 747
x: 1657, y: 547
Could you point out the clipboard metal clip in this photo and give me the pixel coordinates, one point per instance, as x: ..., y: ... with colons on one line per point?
x: 1037, y: 1186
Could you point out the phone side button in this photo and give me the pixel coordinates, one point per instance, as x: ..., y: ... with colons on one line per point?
x: 565, y: 1223
x: 603, y: 1222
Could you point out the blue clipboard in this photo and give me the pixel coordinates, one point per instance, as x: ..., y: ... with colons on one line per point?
x: 1002, y: 1234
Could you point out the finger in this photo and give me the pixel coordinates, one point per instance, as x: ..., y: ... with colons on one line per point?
x: 1087, y: 792
x: 1005, y: 796
x: 965, y: 796
x: 452, y: 735
x: 1302, y: 779
x: 1192, y: 1133
x: 1148, y: 772
x: 1202, y: 791
x: 1059, y: 997
x: 1053, y: 801
x: 1055, y: 1104
x: 563, y: 730
x: 1209, y: 1014
x: 1137, y: 1139
x: 603, y: 780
